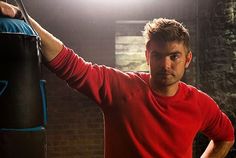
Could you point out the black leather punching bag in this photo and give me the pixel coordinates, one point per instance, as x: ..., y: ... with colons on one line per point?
x: 21, y: 98
x: 30, y: 144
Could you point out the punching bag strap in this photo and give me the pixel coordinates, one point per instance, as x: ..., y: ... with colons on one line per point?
x: 24, y: 12
x: 26, y: 18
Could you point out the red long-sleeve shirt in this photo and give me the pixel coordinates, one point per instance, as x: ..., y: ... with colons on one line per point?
x: 138, y: 122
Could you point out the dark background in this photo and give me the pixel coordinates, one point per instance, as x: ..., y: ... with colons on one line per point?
x: 75, y: 125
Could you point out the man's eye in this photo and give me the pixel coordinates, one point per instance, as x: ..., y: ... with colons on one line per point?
x: 174, y: 57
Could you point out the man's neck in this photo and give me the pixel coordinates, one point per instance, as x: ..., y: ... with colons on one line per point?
x: 169, y: 90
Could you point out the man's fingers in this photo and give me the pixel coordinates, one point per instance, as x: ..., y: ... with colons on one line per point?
x: 8, y: 10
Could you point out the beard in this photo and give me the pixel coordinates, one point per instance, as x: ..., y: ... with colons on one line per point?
x: 165, y: 78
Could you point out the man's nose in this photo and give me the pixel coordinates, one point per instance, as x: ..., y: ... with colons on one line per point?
x: 166, y: 63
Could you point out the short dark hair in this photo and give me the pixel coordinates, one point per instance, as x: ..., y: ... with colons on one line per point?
x: 166, y: 30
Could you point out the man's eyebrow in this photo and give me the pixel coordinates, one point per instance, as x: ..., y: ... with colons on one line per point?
x: 175, y: 52
x: 170, y: 53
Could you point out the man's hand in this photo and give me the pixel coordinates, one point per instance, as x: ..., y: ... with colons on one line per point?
x: 10, y: 10
x: 217, y: 149
x: 51, y: 46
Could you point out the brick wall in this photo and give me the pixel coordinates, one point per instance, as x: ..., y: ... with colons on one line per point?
x: 217, y: 54
x: 75, y: 124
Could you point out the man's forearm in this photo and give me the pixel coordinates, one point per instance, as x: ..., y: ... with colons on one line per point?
x: 51, y: 46
x: 217, y: 149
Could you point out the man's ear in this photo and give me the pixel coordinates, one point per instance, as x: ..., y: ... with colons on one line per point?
x: 147, y: 54
x: 188, y: 59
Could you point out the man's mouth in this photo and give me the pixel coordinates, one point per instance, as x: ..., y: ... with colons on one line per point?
x: 166, y: 73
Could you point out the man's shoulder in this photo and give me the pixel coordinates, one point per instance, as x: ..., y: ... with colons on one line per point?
x: 188, y: 87
x: 142, y: 75
x: 193, y: 90
x: 133, y: 78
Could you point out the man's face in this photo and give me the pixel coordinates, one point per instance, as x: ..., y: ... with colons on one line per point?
x: 167, y: 62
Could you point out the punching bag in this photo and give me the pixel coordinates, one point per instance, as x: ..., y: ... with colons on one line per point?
x: 22, y: 102
x: 22, y: 91
x: 15, y: 144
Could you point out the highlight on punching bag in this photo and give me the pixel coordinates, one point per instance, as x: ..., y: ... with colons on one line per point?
x: 21, y: 98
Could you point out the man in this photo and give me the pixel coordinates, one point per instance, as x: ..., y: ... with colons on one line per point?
x: 146, y: 115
